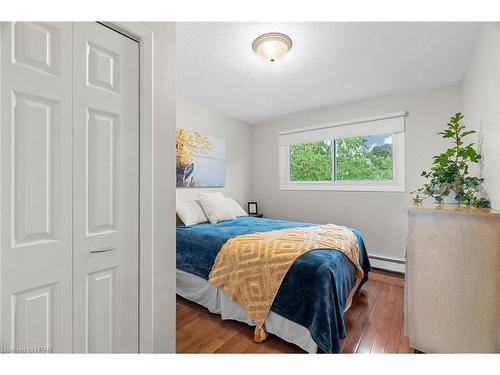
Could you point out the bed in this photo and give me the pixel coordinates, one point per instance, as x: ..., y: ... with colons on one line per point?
x: 309, y: 308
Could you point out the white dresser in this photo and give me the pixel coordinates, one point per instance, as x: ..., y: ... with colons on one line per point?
x: 452, y: 286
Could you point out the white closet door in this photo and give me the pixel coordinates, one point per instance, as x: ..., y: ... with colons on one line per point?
x: 36, y: 248
x: 106, y: 175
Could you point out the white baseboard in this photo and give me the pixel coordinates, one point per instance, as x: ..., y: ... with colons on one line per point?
x: 388, y: 264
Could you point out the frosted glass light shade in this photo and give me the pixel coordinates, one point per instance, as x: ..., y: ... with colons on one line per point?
x: 272, y: 46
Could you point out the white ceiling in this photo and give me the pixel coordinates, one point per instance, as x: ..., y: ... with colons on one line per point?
x: 329, y: 63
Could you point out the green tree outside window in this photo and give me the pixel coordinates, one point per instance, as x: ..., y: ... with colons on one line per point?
x: 356, y: 158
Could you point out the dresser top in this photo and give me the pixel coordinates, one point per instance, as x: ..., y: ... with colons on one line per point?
x: 452, y: 208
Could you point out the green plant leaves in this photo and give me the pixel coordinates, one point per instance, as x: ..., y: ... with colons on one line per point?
x: 450, y: 169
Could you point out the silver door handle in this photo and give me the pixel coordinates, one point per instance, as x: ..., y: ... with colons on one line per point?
x: 105, y: 250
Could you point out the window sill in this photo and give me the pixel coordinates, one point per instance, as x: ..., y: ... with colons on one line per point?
x: 342, y: 187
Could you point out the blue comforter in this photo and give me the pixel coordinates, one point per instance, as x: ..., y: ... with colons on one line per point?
x: 315, y: 289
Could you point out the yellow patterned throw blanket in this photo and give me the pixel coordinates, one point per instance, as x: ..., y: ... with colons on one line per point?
x: 250, y: 268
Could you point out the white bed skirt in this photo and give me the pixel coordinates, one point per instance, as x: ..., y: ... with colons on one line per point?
x: 199, y: 290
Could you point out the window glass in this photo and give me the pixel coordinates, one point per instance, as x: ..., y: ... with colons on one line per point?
x: 311, y: 161
x: 364, y: 158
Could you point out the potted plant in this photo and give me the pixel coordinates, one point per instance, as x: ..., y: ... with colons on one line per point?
x: 449, y: 177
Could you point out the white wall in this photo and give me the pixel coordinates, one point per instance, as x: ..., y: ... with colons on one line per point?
x: 158, y: 297
x: 239, y: 150
x: 481, y: 104
x: 379, y: 216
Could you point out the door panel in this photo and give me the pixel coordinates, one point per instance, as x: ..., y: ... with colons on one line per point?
x: 36, y: 145
x: 105, y: 116
x: 100, y: 313
x: 37, y: 45
x: 36, y: 180
x: 103, y: 145
x: 103, y: 68
x: 33, y: 317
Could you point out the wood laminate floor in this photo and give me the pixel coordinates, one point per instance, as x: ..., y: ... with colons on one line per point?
x: 374, y: 325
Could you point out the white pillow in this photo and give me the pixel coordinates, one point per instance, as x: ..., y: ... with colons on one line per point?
x: 216, y: 207
x: 191, y: 212
x: 236, y: 208
x: 218, y: 194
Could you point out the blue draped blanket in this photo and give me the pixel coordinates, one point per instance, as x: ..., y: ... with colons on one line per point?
x: 315, y: 289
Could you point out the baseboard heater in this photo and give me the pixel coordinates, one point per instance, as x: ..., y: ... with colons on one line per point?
x: 387, y: 263
x: 386, y: 259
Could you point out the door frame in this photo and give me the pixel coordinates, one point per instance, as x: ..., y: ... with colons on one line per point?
x: 150, y: 299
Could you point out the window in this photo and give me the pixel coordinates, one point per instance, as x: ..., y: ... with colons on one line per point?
x: 364, y: 155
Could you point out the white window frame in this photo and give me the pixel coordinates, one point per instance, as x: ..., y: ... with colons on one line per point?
x: 397, y: 184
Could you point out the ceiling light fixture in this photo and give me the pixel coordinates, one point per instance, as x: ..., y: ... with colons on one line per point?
x: 272, y: 46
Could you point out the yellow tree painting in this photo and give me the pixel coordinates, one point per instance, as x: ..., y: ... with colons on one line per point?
x: 200, y: 160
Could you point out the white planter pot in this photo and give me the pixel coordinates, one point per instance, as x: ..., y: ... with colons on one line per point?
x: 451, y: 198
